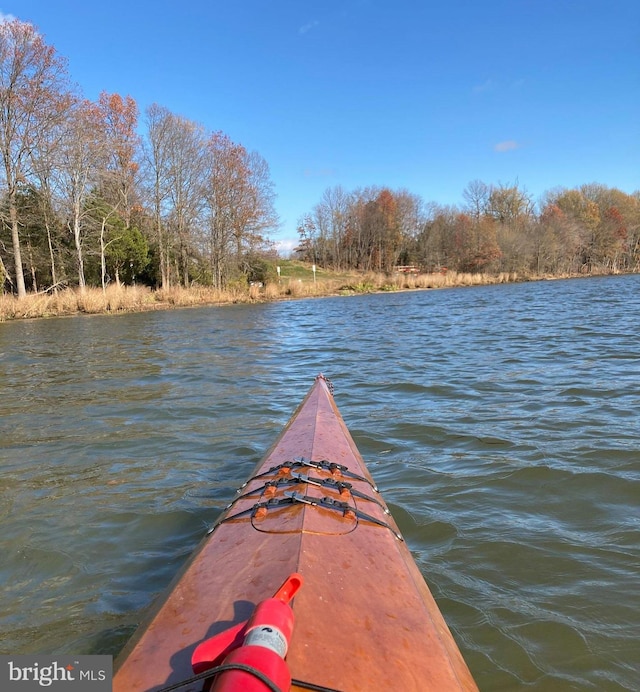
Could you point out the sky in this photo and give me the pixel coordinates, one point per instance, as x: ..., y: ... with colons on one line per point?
x: 417, y: 95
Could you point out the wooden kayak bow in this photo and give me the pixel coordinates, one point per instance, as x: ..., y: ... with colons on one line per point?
x: 365, y: 619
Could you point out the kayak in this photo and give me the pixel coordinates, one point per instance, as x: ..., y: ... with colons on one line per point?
x: 303, y: 582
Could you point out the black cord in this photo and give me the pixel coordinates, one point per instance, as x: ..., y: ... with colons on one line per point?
x: 312, y: 686
x: 221, y: 669
x: 211, y: 672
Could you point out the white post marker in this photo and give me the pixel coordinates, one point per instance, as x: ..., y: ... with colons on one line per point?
x: 313, y: 269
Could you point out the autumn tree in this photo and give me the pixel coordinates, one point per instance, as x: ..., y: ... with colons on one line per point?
x: 391, y: 240
x: 556, y: 244
x: 46, y: 162
x: 156, y: 150
x: 334, y: 222
x: 116, y: 181
x: 434, y: 245
x: 223, y: 193
x: 363, y: 225
x: 186, y: 172
x: 509, y: 204
x: 616, y: 233
x: 32, y: 78
x: 238, y: 206
x: 326, y: 234
x: 411, y: 217
x: 370, y: 228
x: 584, y: 214
x: 262, y: 217
x: 512, y: 210
x: 476, y: 195
x: 119, y: 122
x: 83, y: 157
x: 457, y: 241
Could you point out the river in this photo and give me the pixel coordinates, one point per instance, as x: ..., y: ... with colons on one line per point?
x: 502, y: 424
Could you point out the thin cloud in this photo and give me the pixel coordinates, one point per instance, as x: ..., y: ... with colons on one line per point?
x: 305, y: 28
x: 507, y: 145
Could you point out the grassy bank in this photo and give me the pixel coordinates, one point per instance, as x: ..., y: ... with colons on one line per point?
x: 296, y: 281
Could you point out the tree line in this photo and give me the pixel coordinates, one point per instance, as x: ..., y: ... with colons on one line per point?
x: 86, y: 199
x: 91, y: 192
x: 498, y: 228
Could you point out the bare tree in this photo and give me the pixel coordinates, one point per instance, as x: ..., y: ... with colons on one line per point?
x: 83, y: 158
x: 186, y: 166
x: 476, y: 195
x: 120, y: 118
x: 509, y: 204
x: 32, y: 77
x: 116, y: 181
x: 411, y: 220
x: 512, y: 209
x: 46, y: 165
x: 333, y: 221
x: 222, y: 197
x: 156, y: 176
x: 260, y: 216
x: 238, y: 196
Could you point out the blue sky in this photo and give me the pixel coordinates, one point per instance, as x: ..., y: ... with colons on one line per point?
x: 425, y: 96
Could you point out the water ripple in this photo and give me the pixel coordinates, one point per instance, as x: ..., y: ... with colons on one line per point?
x: 501, y: 422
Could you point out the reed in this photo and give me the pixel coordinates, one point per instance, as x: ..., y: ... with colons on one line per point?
x: 116, y: 299
x: 271, y: 292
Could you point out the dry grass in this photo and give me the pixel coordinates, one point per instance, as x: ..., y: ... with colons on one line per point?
x: 370, y: 283
x: 74, y: 301
x: 181, y: 297
x: 449, y: 280
x: 138, y: 298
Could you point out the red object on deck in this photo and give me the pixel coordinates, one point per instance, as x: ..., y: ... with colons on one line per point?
x: 365, y: 619
x: 260, y: 643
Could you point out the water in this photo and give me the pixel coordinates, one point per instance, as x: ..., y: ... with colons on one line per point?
x: 501, y: 422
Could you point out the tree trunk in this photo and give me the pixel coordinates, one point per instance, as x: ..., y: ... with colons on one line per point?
x: 78, y: 242
x: 4, y: 276
x: 103, y: 260
x: 32, y: 268
x: 52, y: 257
x: 162, y: 252
x: 15, y: 237
x: 185, y: 264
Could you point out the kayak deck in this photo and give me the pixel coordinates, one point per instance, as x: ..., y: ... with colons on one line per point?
x: 365, y: 619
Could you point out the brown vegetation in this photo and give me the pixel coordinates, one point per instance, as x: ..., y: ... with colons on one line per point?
x: 120, y: 299
x: 589, y: 230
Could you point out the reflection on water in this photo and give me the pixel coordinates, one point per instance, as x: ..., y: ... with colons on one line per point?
x: 501, y: 423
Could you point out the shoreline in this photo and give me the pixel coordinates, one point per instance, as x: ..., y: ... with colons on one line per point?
x: 132, y: 299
